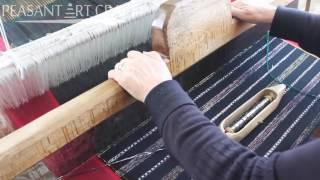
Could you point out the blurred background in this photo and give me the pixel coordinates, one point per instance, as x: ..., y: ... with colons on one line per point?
x: 314, y: 5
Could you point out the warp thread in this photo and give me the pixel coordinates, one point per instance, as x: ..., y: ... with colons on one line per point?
x: 56, y: 58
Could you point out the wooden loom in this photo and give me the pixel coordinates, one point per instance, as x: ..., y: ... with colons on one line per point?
x: 184, y: 40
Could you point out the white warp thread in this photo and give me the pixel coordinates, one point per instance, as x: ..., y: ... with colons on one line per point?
x: 5, y: 125
x: 31, y: 69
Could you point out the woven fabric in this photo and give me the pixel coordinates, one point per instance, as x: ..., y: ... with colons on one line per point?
x: 94, y: 168
x: 219, y: 94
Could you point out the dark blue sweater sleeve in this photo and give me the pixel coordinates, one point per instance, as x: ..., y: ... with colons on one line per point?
x: 298, y: 26
x: 201, y: 148
x: 207, y: 154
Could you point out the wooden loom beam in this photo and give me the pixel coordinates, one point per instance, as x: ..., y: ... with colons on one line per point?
x: 25, y: 147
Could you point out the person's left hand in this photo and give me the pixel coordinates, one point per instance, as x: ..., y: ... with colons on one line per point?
x: 140, y: 73
x: 253, y: 11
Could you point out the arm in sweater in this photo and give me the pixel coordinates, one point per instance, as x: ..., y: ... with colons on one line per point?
x: 206, y: 153
x: 298, y: 26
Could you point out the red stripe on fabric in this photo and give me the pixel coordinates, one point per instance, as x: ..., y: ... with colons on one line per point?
x: 30, y: 111
x: 2, y: 46
x: 95, y: 169
x: 293, y: 43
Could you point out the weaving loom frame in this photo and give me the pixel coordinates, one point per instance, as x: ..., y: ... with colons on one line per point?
x: 114, y: 102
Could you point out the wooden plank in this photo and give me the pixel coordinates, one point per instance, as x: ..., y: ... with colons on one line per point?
x: 191, y: 39
x: 308, y: 5
x: 25, y: 147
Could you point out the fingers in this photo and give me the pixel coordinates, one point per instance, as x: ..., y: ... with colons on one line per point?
x: 237, y: 3
x: 112, y: 74
x: 121, y: 69
x: 134, y: 54
x: 139, y: 55
x: 236, y: 12
x: 117, y: 76
x: 123, y: 64
x: 134, y: 60
x: 157, y: 56
x: 237, y: 9
x: 153, y: 54
x: 117, y: 66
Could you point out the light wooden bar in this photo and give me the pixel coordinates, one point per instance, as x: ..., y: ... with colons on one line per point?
x: 25, y: 147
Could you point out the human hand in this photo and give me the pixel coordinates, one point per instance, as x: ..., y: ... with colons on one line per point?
x: 253, y: 11
x: 139, y: 73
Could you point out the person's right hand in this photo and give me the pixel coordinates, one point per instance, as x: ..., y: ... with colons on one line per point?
x: 253, y: 11
x: 140, y: 72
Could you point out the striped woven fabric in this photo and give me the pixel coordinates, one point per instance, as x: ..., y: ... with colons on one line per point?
x: 219, y: 94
